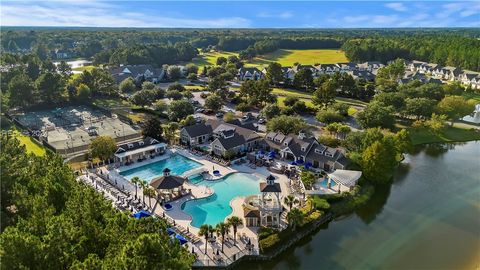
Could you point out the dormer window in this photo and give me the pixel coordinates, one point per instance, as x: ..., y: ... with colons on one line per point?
x: 328, y: 154
x: 130, y: 146
x: 285, y: 143
x: 318, y: 151
x: 140, y: 143
x: 303, y: 149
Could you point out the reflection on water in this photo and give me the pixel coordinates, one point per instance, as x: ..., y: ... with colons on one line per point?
x: 427, y: 219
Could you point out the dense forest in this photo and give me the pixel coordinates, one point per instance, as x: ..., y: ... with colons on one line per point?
x: 50, y: 221
x: 451, y: 46
x: 454, y: 51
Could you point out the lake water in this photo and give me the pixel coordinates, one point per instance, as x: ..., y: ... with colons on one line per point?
x: 428, y: 219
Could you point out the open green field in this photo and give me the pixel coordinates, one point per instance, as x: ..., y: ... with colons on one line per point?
x: 284, y: 57
x: 304, y: 57
x: 210, y: 58
x: 31, y: 145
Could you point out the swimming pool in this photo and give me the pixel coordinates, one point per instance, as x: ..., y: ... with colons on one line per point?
x: 324, y: 183
x: 214, y: 209
x: 178, y: 164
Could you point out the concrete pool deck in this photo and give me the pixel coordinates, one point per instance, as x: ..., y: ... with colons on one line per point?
x: 199, y: 191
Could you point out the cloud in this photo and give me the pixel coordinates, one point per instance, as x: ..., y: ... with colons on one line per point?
x: 101, y: 14
x: 282, y: 15
x: 396, y: 6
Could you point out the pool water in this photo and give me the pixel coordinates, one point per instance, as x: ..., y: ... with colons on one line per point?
x: 195, y: 179
x: 324, y: 183
x: 178, y: 164
x: 216, y: 208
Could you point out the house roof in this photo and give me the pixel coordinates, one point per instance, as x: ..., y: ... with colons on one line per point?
x: 345, y: 177
x: 198, y: 129
x: 264, y: 187
x: 147, y: 141
x: 167, y: 182
x: 251, y: 213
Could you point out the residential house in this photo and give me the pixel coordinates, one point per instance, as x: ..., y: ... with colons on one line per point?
x: 327, y: 69
x: 139, y: 73
x: 357, y: 74
x: 297, y: 68
x: 371, y: 66
x: 470, y: 78
x: 302, y: 148
x: 62, y: 54
x: 346, y: 67
x: 249, y: 73
x: 222, y: 137
x: 288, y: 73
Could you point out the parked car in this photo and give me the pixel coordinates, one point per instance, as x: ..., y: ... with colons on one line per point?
x: 219, y: 114
x: 262, y: 121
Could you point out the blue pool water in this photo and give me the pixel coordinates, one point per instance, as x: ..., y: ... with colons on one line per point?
x: 195, y: 179
x: 176, y: 163
x: 324, y: 183
x: 214, y: 209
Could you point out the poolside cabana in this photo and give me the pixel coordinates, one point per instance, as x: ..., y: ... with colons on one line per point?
x: 269, y: 202
x: 345, y: 179
x: 168, y: 186
x: 139, y: 150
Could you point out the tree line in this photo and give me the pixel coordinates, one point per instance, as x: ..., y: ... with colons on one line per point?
x: 51, y: 221
x: 445, y: 50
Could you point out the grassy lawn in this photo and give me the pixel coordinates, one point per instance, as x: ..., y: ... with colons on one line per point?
x: 281, y: 99
x: 83, y: 68
x: 457, y: 133
x: 210, y: 58
x: 31, y: 145
x: 304, y: 57
x: 472, y: 96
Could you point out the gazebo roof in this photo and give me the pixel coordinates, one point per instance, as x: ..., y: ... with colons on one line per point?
x: 345, y: 177
x: 271, y: 177
x: 167, y: 182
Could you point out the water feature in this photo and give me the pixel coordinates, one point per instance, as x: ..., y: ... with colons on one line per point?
x: 214, y: 209
x: 428, y: 219
x: 474, y: 117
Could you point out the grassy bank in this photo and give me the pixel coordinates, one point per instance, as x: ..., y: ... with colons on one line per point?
x: 450, y: 134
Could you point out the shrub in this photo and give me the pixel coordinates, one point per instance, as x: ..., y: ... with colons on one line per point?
x: 329, y: 116
x: 329, y: 140
x: 269, y: 242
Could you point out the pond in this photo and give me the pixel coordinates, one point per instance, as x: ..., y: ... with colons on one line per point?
x: 428, y: 219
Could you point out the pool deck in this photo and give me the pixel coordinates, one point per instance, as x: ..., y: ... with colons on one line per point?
x: 199, y: 191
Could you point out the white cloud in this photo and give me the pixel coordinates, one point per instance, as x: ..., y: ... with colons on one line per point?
x: 282, y: 15
x: 396, y: 6
x: 100, y: 14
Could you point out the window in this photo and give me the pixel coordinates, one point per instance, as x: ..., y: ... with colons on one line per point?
x: 318, y: 151
x: 130, y: 145
x: 303, y: 149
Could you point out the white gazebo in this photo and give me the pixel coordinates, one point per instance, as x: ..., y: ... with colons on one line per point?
x: 345, y: 179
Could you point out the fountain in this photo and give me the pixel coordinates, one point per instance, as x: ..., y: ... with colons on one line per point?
x: 474, y: 117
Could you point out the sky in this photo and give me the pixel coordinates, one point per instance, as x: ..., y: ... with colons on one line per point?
x: 244, y: 14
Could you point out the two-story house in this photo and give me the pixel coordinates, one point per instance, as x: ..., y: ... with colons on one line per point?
x: 139, y: 73
x: 304, y: 149
x: 249, y: 73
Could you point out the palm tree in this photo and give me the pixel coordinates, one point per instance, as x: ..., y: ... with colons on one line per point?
x: 135, y: 180
x: 295, y: 217
x: 235, y: 221
x: 205, y: 231
x: 222, y: 229
x: 290, y: 200
x: 150, y: 192
x: 143, y: 184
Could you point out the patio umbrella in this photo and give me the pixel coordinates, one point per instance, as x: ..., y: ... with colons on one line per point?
x: 249, y: 241
x: 293, y: 163
x: 141, y: 214
x: 181, y: 239
x: 271, y: 154
x: 218, y: 252
x: 300, y: 161
x: 170, y: 231
x: 193, y: 250
x: 308, y: 165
